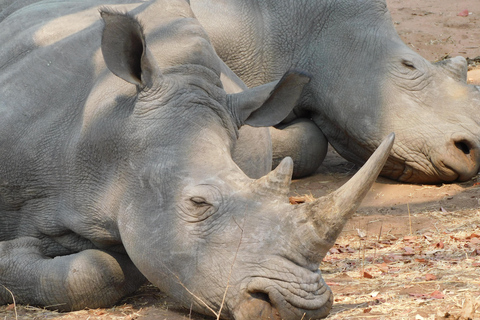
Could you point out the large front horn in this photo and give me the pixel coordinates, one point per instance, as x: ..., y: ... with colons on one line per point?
x: 329, y: 214
x: 277, y: 182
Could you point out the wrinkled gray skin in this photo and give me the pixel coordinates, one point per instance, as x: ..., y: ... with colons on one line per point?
x: 116, y: 167
x: 365, y: 82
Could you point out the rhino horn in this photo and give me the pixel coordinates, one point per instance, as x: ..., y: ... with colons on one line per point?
x: 326, y: 216
x: 277, y: 182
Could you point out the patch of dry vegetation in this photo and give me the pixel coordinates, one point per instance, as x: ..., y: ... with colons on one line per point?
x: 432, y: 274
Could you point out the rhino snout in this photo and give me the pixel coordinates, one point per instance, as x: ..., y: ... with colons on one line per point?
x: 274, y: 298
x: 462, y: 157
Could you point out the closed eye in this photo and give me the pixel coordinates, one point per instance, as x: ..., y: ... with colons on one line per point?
x: 199, y: 201
x: 408, y: 64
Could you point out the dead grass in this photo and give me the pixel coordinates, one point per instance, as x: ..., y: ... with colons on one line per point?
x: 433, y: 274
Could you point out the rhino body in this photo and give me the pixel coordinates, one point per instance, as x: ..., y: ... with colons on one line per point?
x: 116, y: 167
x: 365, y: 83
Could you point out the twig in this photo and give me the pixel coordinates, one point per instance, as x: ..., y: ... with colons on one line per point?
x: 378, y: 241
x: 380, y: 232
x: 409, y: 218
x: 193, y: 295
x: 14, y: 303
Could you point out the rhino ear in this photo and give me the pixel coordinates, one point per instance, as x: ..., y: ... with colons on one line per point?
x: 124, y: 49
x: 268, y: 104
x: 456, y: 67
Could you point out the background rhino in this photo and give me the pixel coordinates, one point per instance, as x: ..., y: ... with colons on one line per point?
x: 365, y: 83
x: 116, y: 167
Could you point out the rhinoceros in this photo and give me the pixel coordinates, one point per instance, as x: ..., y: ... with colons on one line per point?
x: 115, y: 168
x: 365, y: 82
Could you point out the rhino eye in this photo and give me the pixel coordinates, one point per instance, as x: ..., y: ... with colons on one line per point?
x: 199, y: 209
x: 408, y: 64
x: 199, y: 201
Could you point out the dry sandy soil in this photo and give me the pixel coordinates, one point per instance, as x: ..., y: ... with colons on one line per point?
x: 411, y: 251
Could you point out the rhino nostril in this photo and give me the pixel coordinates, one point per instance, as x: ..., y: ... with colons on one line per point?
x: 464, y: 158
x: 463, y: 146
x: 261, y: 296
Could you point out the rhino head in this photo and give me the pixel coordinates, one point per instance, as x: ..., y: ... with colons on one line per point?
x: 232, y: 245
x: 365, y: 83
x: 374, y: 84
x: 190, y: 220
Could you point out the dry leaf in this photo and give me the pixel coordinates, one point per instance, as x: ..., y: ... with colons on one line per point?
x: 383, y: 267
x: 10, y: 307
x: 361, y: 233
x: 296, y: 200
x: 430, y: 277
x: 387, y: 259
x: 437, y: 295
x: 330, y: 284
x: 440, y: 245
x: 463, y: 13
x: 434, y: 295
x: 475, y: 241
x: 367, y: 275
x: 367, y: 310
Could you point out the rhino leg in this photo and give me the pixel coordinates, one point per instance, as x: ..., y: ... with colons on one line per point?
x: 90, y: 278
x: 301, y: 140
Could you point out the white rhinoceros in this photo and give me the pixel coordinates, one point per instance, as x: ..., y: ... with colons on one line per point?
x: 116, y: 167
x: 365, y: 83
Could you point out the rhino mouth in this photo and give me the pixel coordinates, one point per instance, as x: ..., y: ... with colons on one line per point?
x: 459, y: 165
x: 277, y: 298
x: 435, y: 172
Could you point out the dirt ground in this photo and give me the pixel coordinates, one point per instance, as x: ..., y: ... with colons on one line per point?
x: 411, y: 251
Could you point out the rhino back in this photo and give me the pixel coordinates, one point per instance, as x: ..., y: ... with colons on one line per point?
x: 62, y: 114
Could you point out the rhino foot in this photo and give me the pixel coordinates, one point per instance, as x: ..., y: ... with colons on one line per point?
x: 64, y: 283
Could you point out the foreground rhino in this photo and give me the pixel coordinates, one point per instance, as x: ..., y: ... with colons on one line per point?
x: 113, y: 172
x: 365, y: 83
